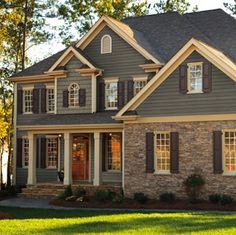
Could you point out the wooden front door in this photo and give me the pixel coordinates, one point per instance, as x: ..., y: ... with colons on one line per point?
x: 80, y: 158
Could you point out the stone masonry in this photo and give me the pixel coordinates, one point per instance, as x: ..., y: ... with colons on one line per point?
x: 195, y: 152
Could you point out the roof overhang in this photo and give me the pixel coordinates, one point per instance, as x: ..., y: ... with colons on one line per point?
x: 215, y: 56
x: 123, y: 30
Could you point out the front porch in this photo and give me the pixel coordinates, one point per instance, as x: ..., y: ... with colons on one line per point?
x: 85, y: 157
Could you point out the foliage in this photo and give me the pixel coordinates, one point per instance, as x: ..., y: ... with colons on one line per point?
x: 167, y: 197
x: 193, y: 185
x: 80, y: 15
x: 181, y: 6
x: 102, y: 195
x: 226, y: 199
x: 79, y: 192
x: 140, y: 197
x: 214, y: 198
x: 67, y: 193
x: 231, y: 7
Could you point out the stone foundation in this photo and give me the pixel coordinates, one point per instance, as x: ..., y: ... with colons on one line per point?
x: 195, y: 153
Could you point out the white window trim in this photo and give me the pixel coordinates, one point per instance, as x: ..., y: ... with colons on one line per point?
x: 159, y: 172
x: 188, y: 77
x: 50, y: 88
x: 140, y: 77
x: 111, y: 80
x: 27, y: 88
x: 52, y: 137
x: 70, y: 106
x: 226, y: 173
x: 23, y: 157
x: 110, y: 48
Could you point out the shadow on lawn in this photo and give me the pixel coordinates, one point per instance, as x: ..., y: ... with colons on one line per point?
x: 167, y: 225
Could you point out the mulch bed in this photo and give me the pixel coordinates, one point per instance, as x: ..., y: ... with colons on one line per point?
x: 150, y: 204
x: 5, y: 216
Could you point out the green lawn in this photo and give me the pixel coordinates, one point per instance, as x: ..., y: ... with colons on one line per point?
x: 40, y: 221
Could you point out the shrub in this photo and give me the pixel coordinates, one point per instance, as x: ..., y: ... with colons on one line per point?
x: 140, y: 197
x: 102, y: 195
x: 67, y: 193
x: 193, y: 185
x: 214, y: 198
x: 226, y: 199
x: 167, y: 197
x: 79, y: 192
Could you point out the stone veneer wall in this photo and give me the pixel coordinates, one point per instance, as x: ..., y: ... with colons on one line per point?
x: 195, y: 152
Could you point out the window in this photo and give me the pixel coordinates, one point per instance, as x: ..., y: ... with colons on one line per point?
x: 28, y: 101
x: 230, y: 151
x: 106, y: 44
x: 52, y: 152
x: 113, y: 151
x: 25, y: 152
x: 74, y: 95
x: 139, y: 84
x: 111, y: 95
x: 50, y: 100
x: 195, y: 77
x: 163, y: 152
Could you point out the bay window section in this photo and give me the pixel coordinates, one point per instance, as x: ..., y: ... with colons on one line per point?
x: 112, y: 151
x: 230, y: 152
x: 28, y: 101
x: 52, y: 152
x: 111, y: 95
x: 162, y: 153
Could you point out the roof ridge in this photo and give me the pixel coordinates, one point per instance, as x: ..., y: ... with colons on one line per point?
x: 196, y: 12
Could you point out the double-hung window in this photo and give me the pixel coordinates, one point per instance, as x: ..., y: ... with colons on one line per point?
x: 229, y: 152
x: 27, y: 101
x: 50, y: 100
x: 162, y: 152
x: 74, y: 95
x: 52, y: 152
x: 195, y: 77
x: 139, y: 83
x: 111, y: 94
x: 25, y: 152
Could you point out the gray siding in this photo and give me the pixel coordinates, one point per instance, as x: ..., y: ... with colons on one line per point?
x: 168, y: 101
x: 46, y: 175
x: 73, y: 77
x: 111, y: 177
x: 21, y: 176
x: 123, y: 62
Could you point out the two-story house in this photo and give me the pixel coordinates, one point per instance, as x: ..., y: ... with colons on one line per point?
x: 141, y: 103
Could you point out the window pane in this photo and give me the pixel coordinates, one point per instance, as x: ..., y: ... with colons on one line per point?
x: 230, y: 151
x: 111, y: 95
x: 50, y: 100
x: 25, y: 143
x: 195, y: 77
x: 52, y: 152
x: 163, y: 151
x: 138, y: 85
x: 28, y: 97
x: 74, y: 95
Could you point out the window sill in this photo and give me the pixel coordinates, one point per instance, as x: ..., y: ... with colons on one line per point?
x: 73, y: 107
x: 162, y: 173
x: 229, y: 174
x: 109, y: 109
x: 194, y: 92
x: 27, y: 113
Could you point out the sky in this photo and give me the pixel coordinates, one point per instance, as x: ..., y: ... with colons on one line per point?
x: 37, y: 53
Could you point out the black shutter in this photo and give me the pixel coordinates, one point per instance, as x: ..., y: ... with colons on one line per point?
x: 174, y: 152
x: 35, y: 100
x: 82, y: 97
x: 183, y: 79
x: 43, y: 100
x: 130, y: 90
x: 101, y: 97
x: 121, y: 89
x: 65, y: 98
x: 43, y: 153
x: 217, y: 152
x: 19, y: 101
x: 19, y: 153
x: 149, y: 152
x: 207, y: 77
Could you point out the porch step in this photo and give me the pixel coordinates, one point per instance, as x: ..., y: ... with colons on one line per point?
x: 51, y: 191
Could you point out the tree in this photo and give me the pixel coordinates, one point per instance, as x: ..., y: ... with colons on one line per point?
x: 181, y: 6
x: 80, y: 15
x: 231, y: 7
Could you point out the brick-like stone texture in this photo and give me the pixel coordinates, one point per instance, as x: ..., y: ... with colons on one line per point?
x: 195, y: 153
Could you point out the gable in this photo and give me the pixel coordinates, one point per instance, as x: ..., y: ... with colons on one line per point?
x: 166, y: 100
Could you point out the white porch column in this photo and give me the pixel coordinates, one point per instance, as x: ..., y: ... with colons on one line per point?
x: 97, y: 159
x: 32, y: 160
x: 67, y: 159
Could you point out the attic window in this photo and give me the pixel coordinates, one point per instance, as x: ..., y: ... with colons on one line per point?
x: 106, y: 44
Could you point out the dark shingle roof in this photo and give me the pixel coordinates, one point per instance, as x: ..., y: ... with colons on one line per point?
x: 164, y: 34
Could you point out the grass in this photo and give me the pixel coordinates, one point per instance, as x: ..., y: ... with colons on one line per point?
x: 42, y: 221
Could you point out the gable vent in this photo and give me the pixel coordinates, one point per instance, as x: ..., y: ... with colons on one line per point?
x: 106, y: 44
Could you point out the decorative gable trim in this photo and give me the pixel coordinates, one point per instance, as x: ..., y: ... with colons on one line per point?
x: 216, y: 57
x: 123, y: 30
x: 67, y: 55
